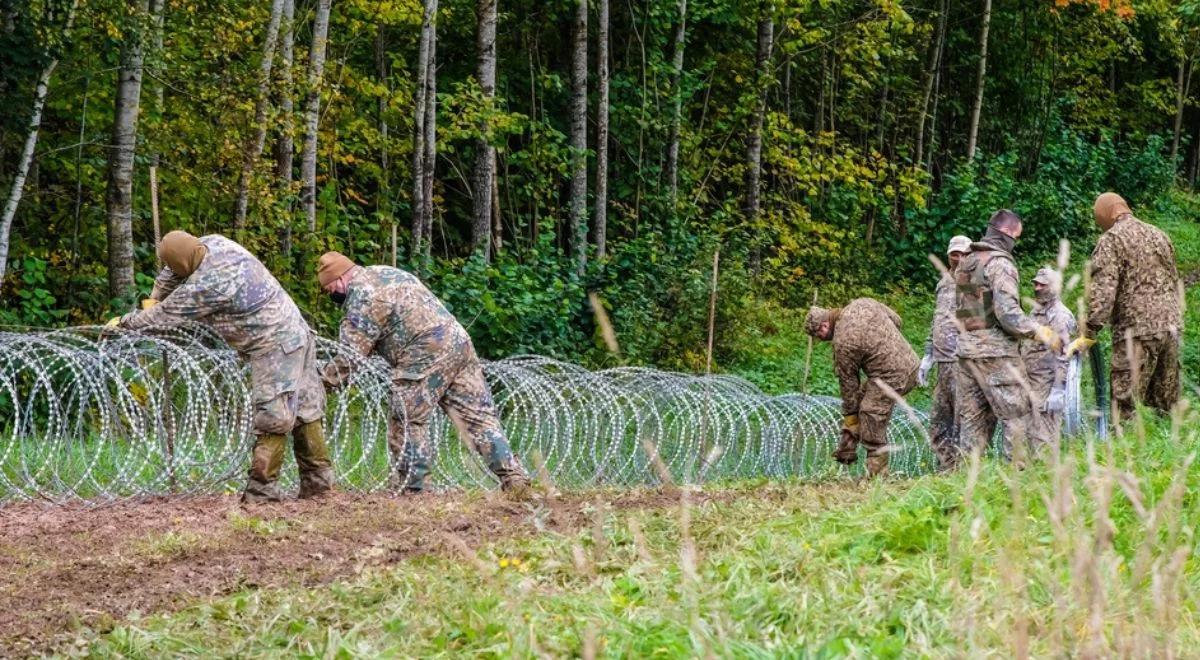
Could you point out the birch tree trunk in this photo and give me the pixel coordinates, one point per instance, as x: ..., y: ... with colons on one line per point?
x: 31, y: 138
x: 312, y: 114
x: 578, y: 201
x: 429, y: 166
x: 977, y: 106
x: 284, y: 149
x: 931, y: 69
x: 258, y: 131
x: 600, y: 222
x: 119, y: 195
x: 420, y: 95
x: 766, y: 34
x: 677, y: 106
x: 485, y: 155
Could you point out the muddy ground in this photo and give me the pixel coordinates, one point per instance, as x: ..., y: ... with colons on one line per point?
x: 66, y: 568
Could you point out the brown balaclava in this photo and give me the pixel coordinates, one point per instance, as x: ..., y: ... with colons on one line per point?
x: 818, y: 315
x: 1108, y: 208
x: 331, y: 266
x: 181, y: 252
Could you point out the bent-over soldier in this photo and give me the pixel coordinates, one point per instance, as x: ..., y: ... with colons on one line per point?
x: 1135, y: 288
x: 389, y: 312
x: 1046, y: 368
x: 941, y: 349
x: 992, y: 385
x: 866, y: 342
x: 214, y: 281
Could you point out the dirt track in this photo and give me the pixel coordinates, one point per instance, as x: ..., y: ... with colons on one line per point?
x: 66, y: 567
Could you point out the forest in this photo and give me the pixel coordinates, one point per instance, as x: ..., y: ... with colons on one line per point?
x: 521, y: 155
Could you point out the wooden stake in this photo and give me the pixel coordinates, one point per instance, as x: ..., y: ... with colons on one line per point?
x: 154, y: 210
x: 808, y: 355
x: 712, y: 309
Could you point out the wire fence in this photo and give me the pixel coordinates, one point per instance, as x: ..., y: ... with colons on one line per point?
x: 92, y: 415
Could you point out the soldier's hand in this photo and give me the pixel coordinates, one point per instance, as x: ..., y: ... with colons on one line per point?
x: 1049, y: 337
x: 850, y: 423
x: 147, y: 303
x: 923, y: 371
x: 1080, y: 345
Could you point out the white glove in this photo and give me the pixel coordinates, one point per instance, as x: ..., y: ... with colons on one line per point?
x: 923, y: 371
x: 1057, y: 401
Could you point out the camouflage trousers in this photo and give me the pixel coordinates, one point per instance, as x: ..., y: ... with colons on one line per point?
x: 875, y: 411
x: 1145, y: 370
x: 943, y: 416
x: 993, y: 391
x: 456, y: 384
x: 286, y: 389
x: 1049, y: 424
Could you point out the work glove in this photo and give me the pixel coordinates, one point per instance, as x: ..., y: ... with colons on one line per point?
x: 147, y: 303
x: 1048, y: 336
x: 1057, y: 401
x: 850, y: 423
x: 847, y: 449
x: 923, y: 371
x: 1080, y: 345
x: 114, y: 322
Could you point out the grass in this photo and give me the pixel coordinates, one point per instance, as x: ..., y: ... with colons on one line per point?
x: 1088, y: 555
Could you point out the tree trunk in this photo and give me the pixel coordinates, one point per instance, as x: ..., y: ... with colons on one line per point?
x: 578, y: 202
x: 677, y: 107
x: 766, y: 33
x: 258, y: 131
x: 931, y: 69
x: 284, y: 149
x: 1183, y: 83
x: 977, y: 106
x: 485, y: 155
x: 119, y: 196
x: 429, y: 164
x: 312, y: 114
x: 601, y: 220
x: 31, y: 138
x: 420, y: 93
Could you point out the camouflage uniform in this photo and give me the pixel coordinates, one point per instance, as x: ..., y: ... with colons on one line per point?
x: 992, y: 386
x: 234, y: 294
x: 867, y: 340
x: 942, y: 347
x: 391, y: 313
x: 1045, y: 368
x: 1135, y: 288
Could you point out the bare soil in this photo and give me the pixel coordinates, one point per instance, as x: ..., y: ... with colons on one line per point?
x: 70, y: 567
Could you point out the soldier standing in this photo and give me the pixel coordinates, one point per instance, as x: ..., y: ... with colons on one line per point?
x: 214, y: 281
x: 992, y: 387
x: 1135, y: 288
x: 941, y: 348
x: 1047, y: 368
x: 389, y: 312
x: 866, y: 340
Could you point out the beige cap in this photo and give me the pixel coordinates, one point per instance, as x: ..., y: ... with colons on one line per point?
x: 331, y: 266
x: 181, y: 252
x: 959, y: 243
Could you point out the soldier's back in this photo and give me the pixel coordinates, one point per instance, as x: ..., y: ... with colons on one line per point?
x: 1147, y: 296
x: 871, y: 330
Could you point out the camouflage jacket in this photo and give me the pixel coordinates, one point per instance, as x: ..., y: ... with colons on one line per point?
x: 1135, y: 284
x: 1041, y: 362
x: 234, y: 294
x: 1012, y: 324
x: 942, y: 343
x: 390, y: 313
x: 867, y: 340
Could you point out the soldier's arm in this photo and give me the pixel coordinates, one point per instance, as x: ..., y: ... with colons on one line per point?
x: 360, y: 330
x: 166, y: 282
x: 187, y: 302
x: 1102, y: 295
x: 1006, y: 300
x: 846, y: 367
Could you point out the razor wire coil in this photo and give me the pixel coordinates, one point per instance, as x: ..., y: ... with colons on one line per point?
x: 96, y: 415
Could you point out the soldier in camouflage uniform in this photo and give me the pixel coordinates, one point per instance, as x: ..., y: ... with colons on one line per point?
x: 866, y: 340
x: 391, y: 313
x: 992, y: 385
x: 214, y: 281
x: 941, y: 348
x: 1046, y: 369
x: 1135, y: 288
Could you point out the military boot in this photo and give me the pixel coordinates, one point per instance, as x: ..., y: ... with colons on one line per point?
x: 877, y: 465
x: 264, y: 469
x: 411, y: 470
x: 312, y: 458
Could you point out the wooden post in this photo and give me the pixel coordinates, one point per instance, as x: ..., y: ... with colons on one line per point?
x: 712, y: 310
x: 808, y: 355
